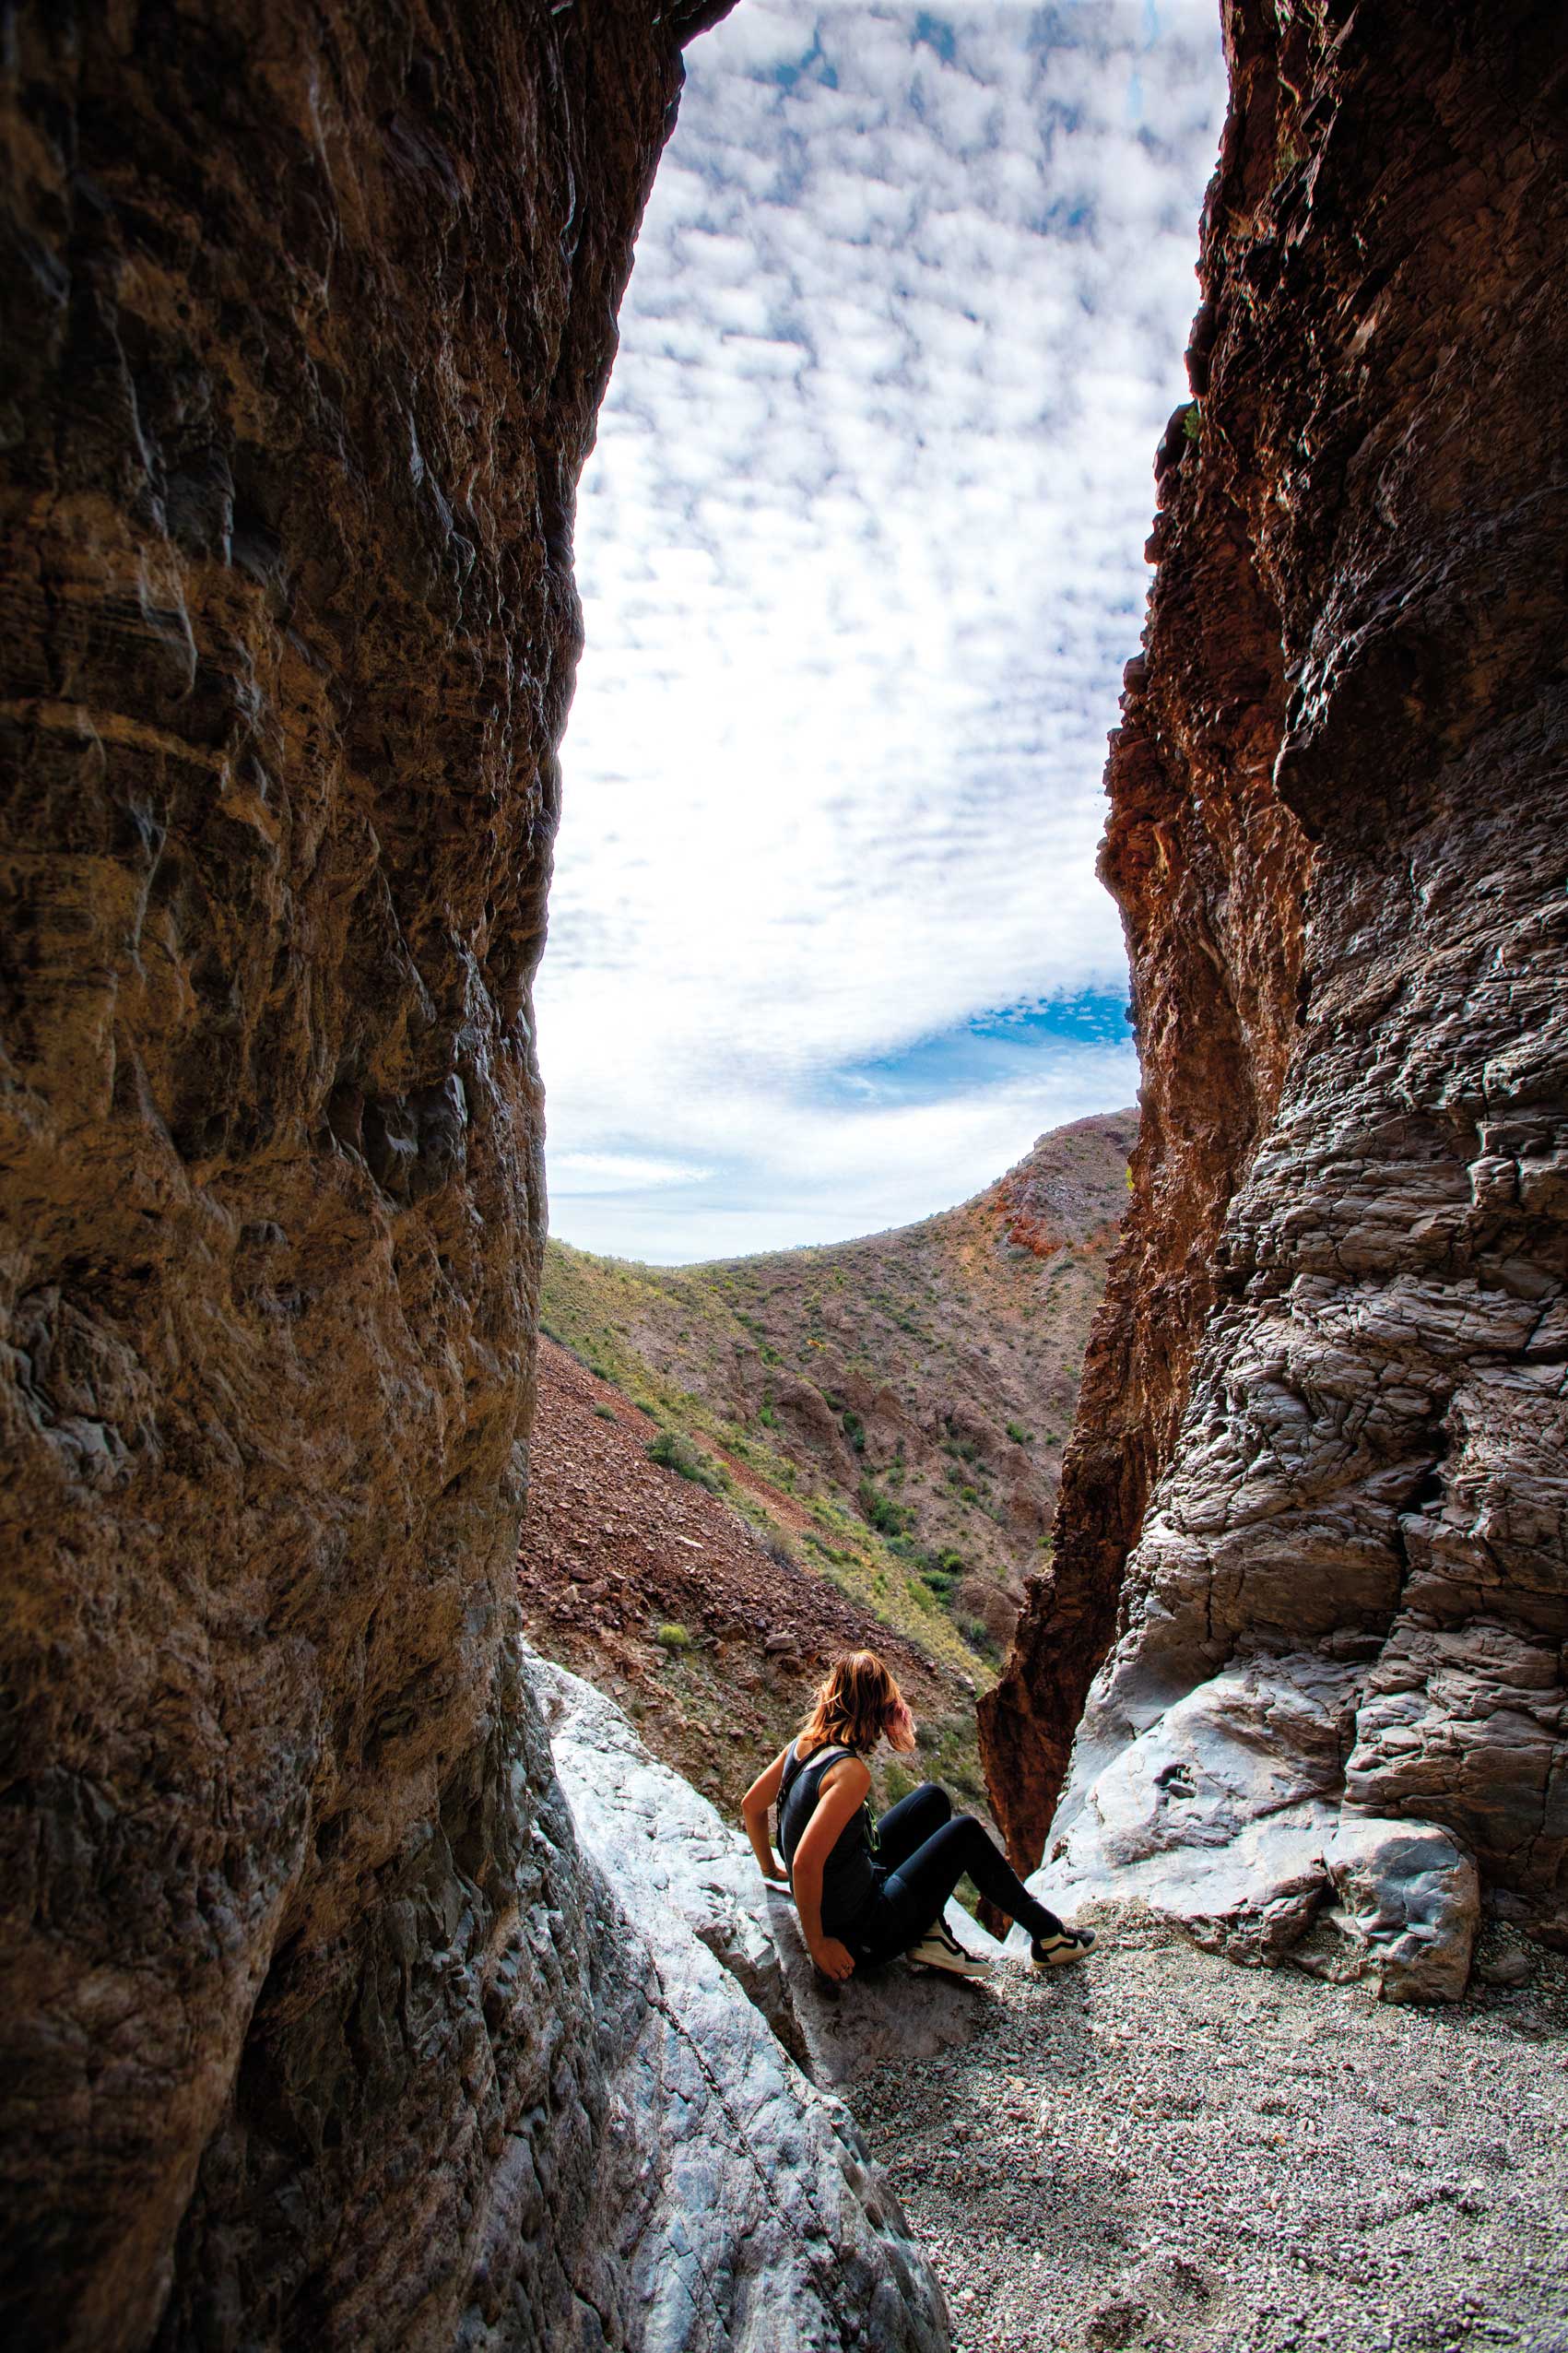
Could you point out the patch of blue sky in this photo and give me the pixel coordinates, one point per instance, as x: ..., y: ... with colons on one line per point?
x: 813, y: 62
x: 934, y: 32
x: 996, y: 1048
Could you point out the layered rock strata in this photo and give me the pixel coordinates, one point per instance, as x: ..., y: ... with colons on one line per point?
x: 313, y: 2012
x: 1321, y: 1451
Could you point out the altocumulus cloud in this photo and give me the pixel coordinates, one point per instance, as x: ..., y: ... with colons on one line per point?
x: 860, y: 556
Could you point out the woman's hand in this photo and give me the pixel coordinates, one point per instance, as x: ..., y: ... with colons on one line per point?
x: 834, y: 1961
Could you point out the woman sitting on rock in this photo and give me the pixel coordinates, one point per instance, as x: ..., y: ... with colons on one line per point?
x: 867, y: 1889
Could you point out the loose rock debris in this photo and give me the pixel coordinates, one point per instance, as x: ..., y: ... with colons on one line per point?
x: 1162, y: 2150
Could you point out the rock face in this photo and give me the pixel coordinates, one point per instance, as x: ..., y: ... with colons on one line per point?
x: 1323, y: 1427
x: 313, y: 2012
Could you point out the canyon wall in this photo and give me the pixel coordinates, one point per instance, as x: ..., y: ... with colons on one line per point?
x: 315, y: 2027
x: 1315, y: 1505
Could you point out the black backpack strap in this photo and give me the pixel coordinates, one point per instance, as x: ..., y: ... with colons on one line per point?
x: 798, y: 1765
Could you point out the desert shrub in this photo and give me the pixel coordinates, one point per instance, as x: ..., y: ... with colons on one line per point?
x: 855, y: 1430
x: 887, y: 1518
x: 1018, y: 1437
x: 673, y: 1636
x: 604, y: 1412
x: 674, y: 1453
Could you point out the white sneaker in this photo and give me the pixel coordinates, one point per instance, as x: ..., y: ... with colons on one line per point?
x: 1066, y: 1944
x: 939, y: 1949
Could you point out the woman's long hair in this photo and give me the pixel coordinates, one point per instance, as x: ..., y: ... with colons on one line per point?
x: 856, y: 1702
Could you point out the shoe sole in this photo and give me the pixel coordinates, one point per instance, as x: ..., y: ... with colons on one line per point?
x: 1062, y: 1960
x: 971, y: 1969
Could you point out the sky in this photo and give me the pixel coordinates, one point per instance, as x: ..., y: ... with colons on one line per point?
x: 860, y: 555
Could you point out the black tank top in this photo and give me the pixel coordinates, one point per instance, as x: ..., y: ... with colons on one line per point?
x: 849, y: 1874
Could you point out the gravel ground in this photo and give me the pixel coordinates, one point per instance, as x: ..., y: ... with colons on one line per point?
x: 1160, y: 2149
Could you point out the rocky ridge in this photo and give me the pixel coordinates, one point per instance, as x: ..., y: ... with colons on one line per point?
x: 1322, y: 1455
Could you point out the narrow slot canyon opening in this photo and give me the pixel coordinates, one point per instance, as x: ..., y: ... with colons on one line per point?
x: 861, y: 556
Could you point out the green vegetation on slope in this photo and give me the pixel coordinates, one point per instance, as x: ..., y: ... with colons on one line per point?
x: 597, y: 1308
x: 890, y: 1410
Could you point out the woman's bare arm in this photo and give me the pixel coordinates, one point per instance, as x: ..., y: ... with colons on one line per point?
x: 754, y: 1814
x: 842, y: 1794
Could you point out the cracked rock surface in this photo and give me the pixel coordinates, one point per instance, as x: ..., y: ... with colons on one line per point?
x: 1313, y: 1529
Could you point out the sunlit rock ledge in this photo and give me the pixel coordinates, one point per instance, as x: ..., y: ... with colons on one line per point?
x: 1223, y: 1813
x: 759, y: 2218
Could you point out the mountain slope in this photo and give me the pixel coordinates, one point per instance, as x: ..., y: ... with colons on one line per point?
x: 741, y: 1469
x: 910, y: 1392
x: 710, y: 1616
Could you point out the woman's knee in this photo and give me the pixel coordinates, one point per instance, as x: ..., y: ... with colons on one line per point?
x: 934, y: 1799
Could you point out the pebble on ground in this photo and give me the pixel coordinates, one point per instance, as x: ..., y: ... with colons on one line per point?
x: 1158, y: 2149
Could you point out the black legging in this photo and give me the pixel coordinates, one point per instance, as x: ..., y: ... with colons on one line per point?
x: 925, y: 1850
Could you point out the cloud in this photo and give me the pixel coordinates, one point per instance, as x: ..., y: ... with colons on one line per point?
x: 860, y: 555
x: 585, y: 1174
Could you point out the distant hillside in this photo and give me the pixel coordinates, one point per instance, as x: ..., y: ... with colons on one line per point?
x: 887, y: 1413
x: 710, y: 1610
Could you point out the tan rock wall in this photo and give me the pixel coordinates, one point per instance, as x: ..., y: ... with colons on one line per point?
x: 308, y: 311
x: 1324, y: 1395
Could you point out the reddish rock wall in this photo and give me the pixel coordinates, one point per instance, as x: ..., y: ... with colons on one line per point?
x: 1332, y: 1349
x: 307, y: 313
